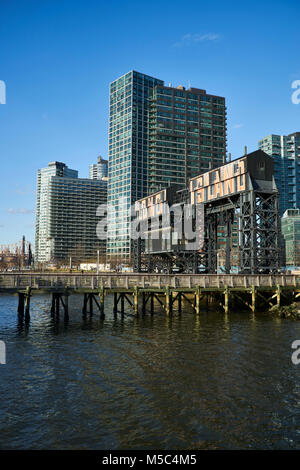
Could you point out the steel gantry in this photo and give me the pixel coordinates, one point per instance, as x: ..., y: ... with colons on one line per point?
x: 238, y: 201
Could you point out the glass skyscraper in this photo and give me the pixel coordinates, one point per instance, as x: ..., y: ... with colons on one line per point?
x: 158, y: 135
x: 128, y: 155
x: 285, y: 150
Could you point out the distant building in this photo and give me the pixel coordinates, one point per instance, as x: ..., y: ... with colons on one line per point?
x: 290, y: 229
x: 285, y: 151
x: 16, y: 255
x: 66, y: 218
x: 99, y: 170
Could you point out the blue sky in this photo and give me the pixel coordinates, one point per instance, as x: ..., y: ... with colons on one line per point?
x: 57, y: 58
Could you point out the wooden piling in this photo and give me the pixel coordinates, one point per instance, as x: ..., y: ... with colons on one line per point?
x: 226, y: 299
x: 101, y: 301
x: 278, y: 295
x: 143, y: 303
x: 21, y: 304
x: 91, y: 304
x: 115, y: 302
x: 179, y: 300
x: 27, y: 304
x: 53, y: 304
x: 66, y: 306
x: 197, y: 300
x: 136, y: 300
x: 253, y: 297
x: 57, y: 304
x: 168, y: 303
x: 85, y: 300
x: 151, y: 303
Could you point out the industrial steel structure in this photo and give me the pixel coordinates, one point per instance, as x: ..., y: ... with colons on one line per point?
x: 179, y: 230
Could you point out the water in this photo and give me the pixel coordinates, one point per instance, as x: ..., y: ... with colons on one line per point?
x: 213, y: 382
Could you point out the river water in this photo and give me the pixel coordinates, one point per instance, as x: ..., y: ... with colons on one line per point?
x: 213, y: 382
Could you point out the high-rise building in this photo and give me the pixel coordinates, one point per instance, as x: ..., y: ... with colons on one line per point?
x: 66, y: 214
x: 128, y: 155
x: 99, y: 170
x: 187, y: 135
x: 157, y: 136
x: 290, y: 230
x: 285, y: 151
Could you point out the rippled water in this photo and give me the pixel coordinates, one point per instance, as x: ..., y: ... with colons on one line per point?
x: 213, y: 382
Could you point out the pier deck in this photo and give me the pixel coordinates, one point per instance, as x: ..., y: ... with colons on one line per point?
x: 143, y: 291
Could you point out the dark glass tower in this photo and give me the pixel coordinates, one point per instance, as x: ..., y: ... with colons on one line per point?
x: 187, y: 135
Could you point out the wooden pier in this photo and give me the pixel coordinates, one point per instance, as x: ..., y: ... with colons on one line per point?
x: 143, y: 293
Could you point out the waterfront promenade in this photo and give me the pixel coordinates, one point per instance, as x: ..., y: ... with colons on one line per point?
x: 142, y: 292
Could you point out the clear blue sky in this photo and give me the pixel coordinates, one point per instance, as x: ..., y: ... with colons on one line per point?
x: 58, y: 57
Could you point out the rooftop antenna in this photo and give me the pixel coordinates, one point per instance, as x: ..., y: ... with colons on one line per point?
x: 190, y: 85
x: 229, y: 157
x: 245, y: 149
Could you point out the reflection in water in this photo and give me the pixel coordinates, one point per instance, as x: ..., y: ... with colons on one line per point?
x: 210, y: 382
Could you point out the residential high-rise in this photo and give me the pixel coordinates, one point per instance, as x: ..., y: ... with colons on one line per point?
x: 157, y: 136
x: 42, y: 241
x: 66, y: 214
x: 285, y: 151
x: 99, y: 170
x: 128, y: 155
x: 187, y: 135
